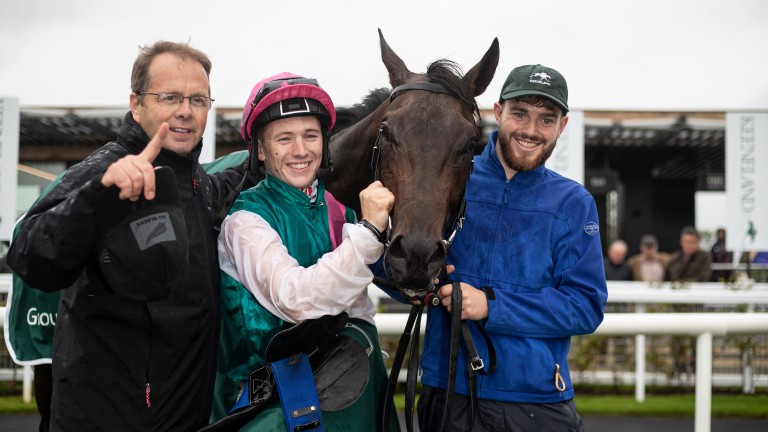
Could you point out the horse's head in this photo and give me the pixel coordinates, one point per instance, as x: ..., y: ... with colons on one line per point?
x: 425, y: 148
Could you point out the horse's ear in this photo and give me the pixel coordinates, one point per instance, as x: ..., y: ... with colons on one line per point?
x: 479, y: 77
x: 398, y: 72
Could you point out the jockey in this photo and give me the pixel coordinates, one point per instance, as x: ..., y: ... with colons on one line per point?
x: 289, y: 252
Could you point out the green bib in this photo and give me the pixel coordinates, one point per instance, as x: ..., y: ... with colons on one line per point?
x: 303, y: 228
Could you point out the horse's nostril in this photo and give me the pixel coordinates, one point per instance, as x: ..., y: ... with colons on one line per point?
x: 440, y: 254
x: 395, y: 249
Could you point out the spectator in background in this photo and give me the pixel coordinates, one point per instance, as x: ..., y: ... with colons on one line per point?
x: 758, y: 273
x: 650, y: 264
x: 615, y: 262
x: 690, y: 263
x: 721, y: 255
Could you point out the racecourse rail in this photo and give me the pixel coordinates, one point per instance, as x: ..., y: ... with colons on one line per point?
x: 702, y: 325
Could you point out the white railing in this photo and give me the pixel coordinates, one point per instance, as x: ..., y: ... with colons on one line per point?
x: 702, y: 325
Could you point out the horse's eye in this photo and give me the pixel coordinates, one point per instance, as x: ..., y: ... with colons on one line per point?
x: 472, y: 144
x: 384, y: 131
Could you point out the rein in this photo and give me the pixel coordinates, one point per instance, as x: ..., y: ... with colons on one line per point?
x: 411, y: 337
x: 412, y: 332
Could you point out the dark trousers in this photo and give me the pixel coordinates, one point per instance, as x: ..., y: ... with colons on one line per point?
x: 43, y: 384
x: 494, y: 416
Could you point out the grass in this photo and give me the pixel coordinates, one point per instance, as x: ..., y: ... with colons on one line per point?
x: 683, y: 405
x: 672, y: 405
x: 15, y: 404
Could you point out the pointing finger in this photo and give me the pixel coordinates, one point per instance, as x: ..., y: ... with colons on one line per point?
x: 154, y: 146
x: 149, y: 154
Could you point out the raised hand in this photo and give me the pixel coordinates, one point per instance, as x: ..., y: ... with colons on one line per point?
x: 134, y: 173
x: 376, y: 202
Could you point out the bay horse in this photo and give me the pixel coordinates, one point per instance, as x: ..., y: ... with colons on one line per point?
x: 419, y: 138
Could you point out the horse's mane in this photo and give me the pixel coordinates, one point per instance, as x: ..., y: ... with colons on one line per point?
x: 444, y: 72
x: 346, y: 117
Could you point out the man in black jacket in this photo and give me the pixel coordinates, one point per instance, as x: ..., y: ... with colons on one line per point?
x: 125, y: 356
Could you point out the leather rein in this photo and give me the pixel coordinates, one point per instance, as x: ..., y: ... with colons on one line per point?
x: 412, y: 332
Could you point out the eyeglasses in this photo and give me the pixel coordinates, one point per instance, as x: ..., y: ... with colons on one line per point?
x: 172, y: 99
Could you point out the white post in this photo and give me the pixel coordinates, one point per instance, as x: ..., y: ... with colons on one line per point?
x: 640, y: 368
x: 208, y: 153
x: 703, y: 415
x: 748, y: 375
x: 640, y: 360
x: 26, y: 393
x: 9, y: 159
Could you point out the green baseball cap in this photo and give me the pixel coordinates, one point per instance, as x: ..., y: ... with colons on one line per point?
x: 536, y: 80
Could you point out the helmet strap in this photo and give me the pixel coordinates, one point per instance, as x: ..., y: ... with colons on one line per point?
x: 326, y: 162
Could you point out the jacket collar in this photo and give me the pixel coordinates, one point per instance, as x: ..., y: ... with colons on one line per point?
x: 290, y: 193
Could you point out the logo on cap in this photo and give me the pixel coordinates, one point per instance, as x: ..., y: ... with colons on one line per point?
x: 540, y: 78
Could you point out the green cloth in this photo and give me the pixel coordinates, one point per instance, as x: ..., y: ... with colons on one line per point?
x: 364, y: 415
x: 31, y: 314
x: 302, y: 226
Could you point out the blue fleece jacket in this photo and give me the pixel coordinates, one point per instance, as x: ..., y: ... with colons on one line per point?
x: 533, y: 244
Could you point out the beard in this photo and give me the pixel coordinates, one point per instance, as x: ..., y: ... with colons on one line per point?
x: 520, y: 164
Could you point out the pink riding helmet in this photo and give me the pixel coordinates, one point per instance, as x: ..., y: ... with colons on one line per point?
x: 281, y: 87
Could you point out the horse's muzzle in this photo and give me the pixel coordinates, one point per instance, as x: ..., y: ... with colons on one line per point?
x: 414, y: 262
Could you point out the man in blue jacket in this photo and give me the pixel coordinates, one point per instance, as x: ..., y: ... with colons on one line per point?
x: 530, y: 267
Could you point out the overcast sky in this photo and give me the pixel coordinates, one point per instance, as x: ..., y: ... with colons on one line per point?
x: 666, y: 55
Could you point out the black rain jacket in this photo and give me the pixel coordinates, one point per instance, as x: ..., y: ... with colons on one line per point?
x: 120, y: 364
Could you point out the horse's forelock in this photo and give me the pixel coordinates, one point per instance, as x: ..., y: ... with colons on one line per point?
x: 448, y: 74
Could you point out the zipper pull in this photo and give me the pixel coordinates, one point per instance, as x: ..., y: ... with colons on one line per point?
x: 146, y: 396
x: 194, y: 184
x: 559, y: 382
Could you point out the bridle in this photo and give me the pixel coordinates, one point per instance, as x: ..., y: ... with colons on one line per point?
x: 458, y: 222
x: 412, y: 332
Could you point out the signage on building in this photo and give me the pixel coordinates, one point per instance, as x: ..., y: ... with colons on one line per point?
x: 9, y: 158
x: 746, y: 185
x: 711, y: 182
x: 568, y: 157
x: 601, y: 182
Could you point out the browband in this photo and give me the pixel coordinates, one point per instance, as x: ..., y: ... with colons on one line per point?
x: 437, y: 88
